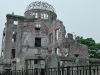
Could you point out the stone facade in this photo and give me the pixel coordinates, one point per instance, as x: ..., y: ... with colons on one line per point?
x: 28, y: 40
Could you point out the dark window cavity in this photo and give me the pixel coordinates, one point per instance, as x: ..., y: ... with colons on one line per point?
x: 13, y: 53
x: 50, y: 38
x: 37, y: 42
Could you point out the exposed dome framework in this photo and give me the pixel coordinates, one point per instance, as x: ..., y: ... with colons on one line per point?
x: 40, y: 5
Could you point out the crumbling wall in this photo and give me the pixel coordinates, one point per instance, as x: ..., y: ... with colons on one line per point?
x: 34, y: 39
x: 10, y: 33
x: 76, y: 49
x: 57, y: 30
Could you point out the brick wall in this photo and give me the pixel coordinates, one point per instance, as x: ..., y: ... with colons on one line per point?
x: 76, y: 48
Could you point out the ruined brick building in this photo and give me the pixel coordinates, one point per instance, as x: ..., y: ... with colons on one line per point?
x: 29, y: 39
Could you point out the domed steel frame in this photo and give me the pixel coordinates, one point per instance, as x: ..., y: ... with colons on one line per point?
x: 40, y: 5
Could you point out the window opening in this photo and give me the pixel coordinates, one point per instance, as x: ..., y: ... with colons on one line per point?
x: 57, y: 32
x: 28, y: 64
x: 35, y: 61
x: 13, y: 53
x: 3, y: 39
x: 57, y: 51
x: 37, y: 42
x: 45, y: 16
x: 66, y: 50
x: 3, y: 34
x: 37, y: 27
x: 36, y: 15
x: 14, y: 37
x: 35, y: 64
x: 50, y: 38
x: 42, y: 15
x: 16, y: 22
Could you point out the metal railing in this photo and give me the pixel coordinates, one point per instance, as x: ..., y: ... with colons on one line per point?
x: 69, y: 70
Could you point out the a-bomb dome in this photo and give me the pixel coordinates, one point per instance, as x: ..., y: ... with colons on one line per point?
x: 40, y: 5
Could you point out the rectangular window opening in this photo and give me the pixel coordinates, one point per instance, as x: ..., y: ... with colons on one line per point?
x: 57, y: 51
x: 37, y: 27
x: 35, y: 61
x: 37, y: 42
x: 45, y: 16
x: 13, y: 53
x: 57, y: 33
x: 36, y: 15
x: 16, y: 22
x: 50, y: 38
x: 14, y: 37
x: 36, y: 65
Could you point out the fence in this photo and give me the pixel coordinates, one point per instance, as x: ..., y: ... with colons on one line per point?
x: 69, y: 70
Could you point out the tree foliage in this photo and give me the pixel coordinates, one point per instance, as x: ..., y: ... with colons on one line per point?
x: 93, y: 47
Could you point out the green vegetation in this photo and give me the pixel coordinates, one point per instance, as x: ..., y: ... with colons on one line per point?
x: 93, y: 47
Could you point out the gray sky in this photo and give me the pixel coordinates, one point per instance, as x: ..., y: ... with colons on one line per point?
x: 79, y: 16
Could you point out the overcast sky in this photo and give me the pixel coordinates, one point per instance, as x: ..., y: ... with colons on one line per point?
x: 79, y: 16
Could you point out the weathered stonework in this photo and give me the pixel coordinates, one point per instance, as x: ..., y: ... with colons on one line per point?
x: 75, y: 49
x: 28, y: 40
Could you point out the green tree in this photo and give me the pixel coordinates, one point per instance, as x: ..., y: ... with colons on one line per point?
x: 93, y: 47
